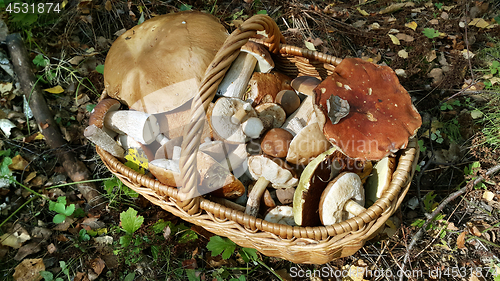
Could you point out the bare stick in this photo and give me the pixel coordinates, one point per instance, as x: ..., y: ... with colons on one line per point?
x: 75, y: 169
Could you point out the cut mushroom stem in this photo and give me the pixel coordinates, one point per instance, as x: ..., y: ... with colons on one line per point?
x: 253, y: 203
x: 176, y: 155
x: 162, y: 139
x: 295, y: 126
x: 104, y: 141
x: 240, y: 115
x: 253, y: 127
x: 141, y: 126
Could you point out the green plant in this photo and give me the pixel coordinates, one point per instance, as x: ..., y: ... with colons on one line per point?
x: 61, y: 208
x: 48, y: 276
x: 430, y: 33
x: 438, y: 5
x: 83, y: 236
x: 218, y: 245
x: 429, y: 205
x: 471, y: 170
x: 449, y: 105
x: 436, y: 136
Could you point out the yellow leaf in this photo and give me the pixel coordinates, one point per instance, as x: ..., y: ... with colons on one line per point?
x: 494, y: 80
x: 310, y: 45
x: 39, y: 136
x: 362, y: 12
x: 63, y: 4
x: 394, y: 39
x: 479, y: 22
x: 412, y: 25
x: 55, y: 90
x: 403, y: 54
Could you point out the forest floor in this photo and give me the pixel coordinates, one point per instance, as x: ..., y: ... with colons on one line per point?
x: 446, y: 53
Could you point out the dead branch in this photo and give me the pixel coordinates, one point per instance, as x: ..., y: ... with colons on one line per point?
x: 74, y: 168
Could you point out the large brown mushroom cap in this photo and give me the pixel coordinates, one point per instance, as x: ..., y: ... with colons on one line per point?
x: 158, y: 65
x: 381, y: 118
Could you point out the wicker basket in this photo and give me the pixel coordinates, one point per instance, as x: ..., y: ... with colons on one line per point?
x: 316, y: 245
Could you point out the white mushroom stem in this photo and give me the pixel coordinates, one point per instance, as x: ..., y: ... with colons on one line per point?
x: 104, y: 141
x: 353, y: 208
x: 141, y: 126
x: 295, y: 126
x: 235, y: 81
x: 235, y: 158
x: 253, y: 127
x: 253, y: 202
x: 162, y: 139
x: 176, y: 154
x: 241, y: 114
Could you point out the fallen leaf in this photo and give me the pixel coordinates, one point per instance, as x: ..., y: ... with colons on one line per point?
x: 55, y: 90
x: 51, y: 248
x: 93, y: 223
x: 6, y: 125
x: 451, y: 226
x: 18, y: 163
x: 76, y: 60
x: 467, y: 54
x: 461, y: 240
x: 362, y: 12
x: 5, y: 87
x: 374, y: 26
x: 310, y: 46
x: 436, y: 74
x: 431, y: 56
x: 394, y: 7
x: 403, y: 54
x: 475, y: 114
x: 405, y: 37
x: 97, y: 265
x: 80, y: 276
x: 444, y: 15
x: 400, y: 72
x: 31, y: 176
x: 434, y: 21
x: 487, y: 195
x: 448, y: 8
x: 26, y: 250
x: 108, y: 6
x: 29, y: 270
x: 475, y: 231
x: 412, y: 25
x: 394, y: 39
x: 479, y: 22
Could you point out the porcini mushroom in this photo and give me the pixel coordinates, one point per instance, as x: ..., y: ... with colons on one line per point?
x: 271, y: 114
x: 104, y: 141
x: 235, y: 82
x: 276, y: 142
x: 280, y: 215
x: 99, y: 112
x: 305, y: 114
x: 379, y: 179
x: 308, y: 143
x: 265, y: 171
x: 158, y: 65
x: 265, y: 86
x: 305, y: 84
x: 288, y: 100
x: 381, y: 116
x: 343, y: 198
x: 227, y: 115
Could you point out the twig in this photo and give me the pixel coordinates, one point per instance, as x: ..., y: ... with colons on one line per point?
x: 75, y: 169
x: 441, y: 206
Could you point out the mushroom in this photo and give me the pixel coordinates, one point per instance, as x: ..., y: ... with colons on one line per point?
x: 313, y: 181
x: 158, y: 65
x: 276, y: 142
x: 308, y: 143
x: 235, y: 81
x: 104, y: 141
x: 305, y: 113
x: 166, y: 149
x: 229, y: 156
x: 172, y: 123
x: 289, y: 100
x: 285, y: 195
x: 280, y: 215
x: 265, y: 171
x: 217, y: 179
x: 99, y: 112
x: 343, y: 198
x: 272, y: 115
x: 228, y: 120
x: 305, y: 84
x: 381, y: 117
x: 167, y: 170
x: 264, y: 87
x: 141, y: 126
x: 379, y: 179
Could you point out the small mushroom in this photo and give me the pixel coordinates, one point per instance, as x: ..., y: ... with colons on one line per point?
x: 307, y: 144
x: 104, y: 141
x: 305, y: 113
x: 166, y: 171
x: 343, y: 198
x: 289, y: 100
x: 281, y: 215
x: 227, y: 115
x: 380, y: 179
x: 271, y: 114
x: 265, y: 171
x: 166, y: 149
x: 285, y: 195
x: 235, y: 81
x: 305, y: 84
x: 264, y: 87
x: 276, y: 142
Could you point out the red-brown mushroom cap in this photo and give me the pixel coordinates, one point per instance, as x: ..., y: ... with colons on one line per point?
x: 381, y: 117
x: 104, y: 106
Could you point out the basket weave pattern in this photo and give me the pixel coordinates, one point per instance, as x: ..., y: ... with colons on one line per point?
x: 317, y: 245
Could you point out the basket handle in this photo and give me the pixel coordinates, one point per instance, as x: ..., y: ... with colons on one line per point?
x: 187, y: 195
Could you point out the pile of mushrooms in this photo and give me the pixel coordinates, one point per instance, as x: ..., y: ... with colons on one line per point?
x: 310, y: 152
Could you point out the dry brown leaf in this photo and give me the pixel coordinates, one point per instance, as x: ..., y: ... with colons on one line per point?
x: 431, y: 56
x: 403, y: 54
x: 479, y: 22
x: 51, y: 248
x: 475, y: 231
x: 18, y: 163
x: 31, y: 176
x: 76, y: 60
x: 461, y: 240
x: 28, y: 249
x: 108, y: 6
x: 405, y: 37
x: 451, y: 226
x: 97, y: 265
x: 80, y: 276
x: 29, y: 270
